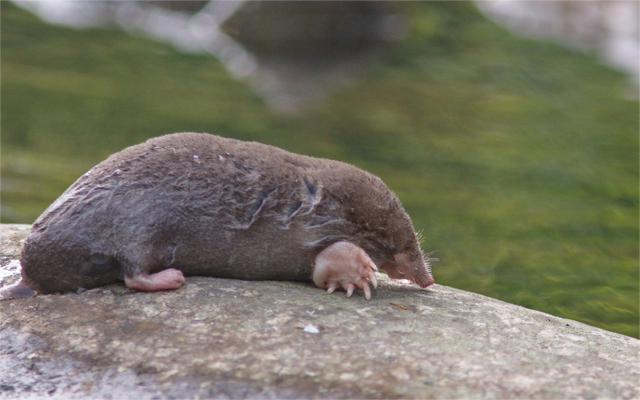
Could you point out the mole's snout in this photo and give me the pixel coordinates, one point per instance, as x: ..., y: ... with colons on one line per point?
x: 416, y: 270
x: 424, y: 281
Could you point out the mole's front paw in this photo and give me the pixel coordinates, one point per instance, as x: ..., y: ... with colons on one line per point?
x: 344, y: 265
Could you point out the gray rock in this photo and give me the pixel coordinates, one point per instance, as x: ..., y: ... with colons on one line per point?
x: 218, y: 338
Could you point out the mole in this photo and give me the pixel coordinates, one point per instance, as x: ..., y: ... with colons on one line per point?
x: 199, y: 204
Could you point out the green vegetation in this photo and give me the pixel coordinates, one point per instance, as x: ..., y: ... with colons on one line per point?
x: 517, y: 159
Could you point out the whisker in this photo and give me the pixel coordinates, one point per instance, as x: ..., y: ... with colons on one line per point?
x: 426, y: 257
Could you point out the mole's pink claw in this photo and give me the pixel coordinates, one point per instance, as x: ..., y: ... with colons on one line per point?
x: 332, y: 287
x: 349, y: 287
x: 373, y: 279
x: 367, y: 291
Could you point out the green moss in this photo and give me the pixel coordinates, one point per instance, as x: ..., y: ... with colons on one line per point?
x: 517, y: 159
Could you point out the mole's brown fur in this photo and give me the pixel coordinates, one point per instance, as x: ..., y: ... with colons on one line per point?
x: 212, y: 206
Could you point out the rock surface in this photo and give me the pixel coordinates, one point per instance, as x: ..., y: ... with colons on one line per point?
x: 218, y: 338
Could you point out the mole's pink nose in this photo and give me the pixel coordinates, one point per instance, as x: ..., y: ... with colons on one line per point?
x: 424, y: 281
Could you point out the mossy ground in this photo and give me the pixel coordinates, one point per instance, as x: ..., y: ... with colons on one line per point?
x: 518, y: 160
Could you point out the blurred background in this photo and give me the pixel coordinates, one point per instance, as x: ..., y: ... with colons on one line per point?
x: 508, y: 129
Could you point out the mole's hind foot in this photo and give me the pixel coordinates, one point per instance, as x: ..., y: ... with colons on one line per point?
x: 344, y: 265
x: 168, y: 279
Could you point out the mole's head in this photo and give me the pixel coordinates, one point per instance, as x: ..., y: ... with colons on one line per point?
x: 399, y: 254
x: 409, y: 263
x: 386, y: 233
